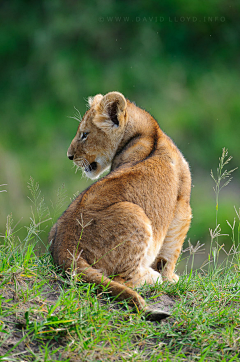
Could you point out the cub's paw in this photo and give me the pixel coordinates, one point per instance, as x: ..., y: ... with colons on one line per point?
x: 147, y: 276
x: 174, y: 278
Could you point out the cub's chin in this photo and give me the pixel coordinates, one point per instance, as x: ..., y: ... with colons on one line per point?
x: 94, y: 170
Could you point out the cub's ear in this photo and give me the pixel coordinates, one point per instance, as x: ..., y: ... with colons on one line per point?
x: 92, y: 101
x: 111, y: 111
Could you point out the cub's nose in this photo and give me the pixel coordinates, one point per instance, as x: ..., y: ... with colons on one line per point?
x: 70, y: 156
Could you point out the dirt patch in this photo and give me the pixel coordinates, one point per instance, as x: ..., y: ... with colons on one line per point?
x: 163, y: 302
x: 14, y: 323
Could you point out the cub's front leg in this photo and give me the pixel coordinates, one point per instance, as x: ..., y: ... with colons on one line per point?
x: 166, y: 260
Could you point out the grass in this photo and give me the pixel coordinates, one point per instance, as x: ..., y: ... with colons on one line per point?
x: 48, y: 316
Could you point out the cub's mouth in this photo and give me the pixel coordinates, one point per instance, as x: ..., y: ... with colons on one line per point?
x: 91, y: 167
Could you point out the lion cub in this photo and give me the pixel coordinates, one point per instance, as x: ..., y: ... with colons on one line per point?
x: 131, y: 224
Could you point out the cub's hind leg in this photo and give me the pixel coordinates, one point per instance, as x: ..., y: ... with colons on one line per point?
x: 172, y: 244
x: 119, y: 242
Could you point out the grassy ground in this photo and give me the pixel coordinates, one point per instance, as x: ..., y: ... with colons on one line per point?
x: 48, y: 316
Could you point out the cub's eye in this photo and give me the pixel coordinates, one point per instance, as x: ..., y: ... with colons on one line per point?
x: 84, y: 135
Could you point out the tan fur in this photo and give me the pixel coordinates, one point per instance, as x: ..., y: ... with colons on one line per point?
x: 138, y: 215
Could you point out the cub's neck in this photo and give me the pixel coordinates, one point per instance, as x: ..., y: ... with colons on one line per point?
x: 140, y: 139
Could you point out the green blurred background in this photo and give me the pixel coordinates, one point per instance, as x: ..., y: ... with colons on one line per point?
x: 177, y: 59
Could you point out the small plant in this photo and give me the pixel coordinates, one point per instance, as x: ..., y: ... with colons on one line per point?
x: 197, y: 249
x: 39, y: 210
x: 221, y: 175
x: 235, y: 248
x: 58, y: 206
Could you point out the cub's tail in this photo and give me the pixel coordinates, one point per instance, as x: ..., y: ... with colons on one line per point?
x: 91, y: 275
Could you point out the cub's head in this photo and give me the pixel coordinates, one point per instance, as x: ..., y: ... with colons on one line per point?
x: 99, y: 133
